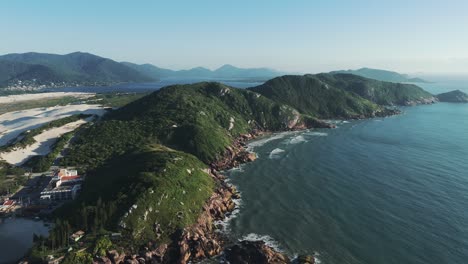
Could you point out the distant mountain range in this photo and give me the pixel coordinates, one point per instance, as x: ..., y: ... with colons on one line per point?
x: 35, y: 70
x: 382, y: 75
x: 224, y: 72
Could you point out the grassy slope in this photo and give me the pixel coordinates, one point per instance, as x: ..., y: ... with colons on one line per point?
x: 314, y: 96
x: 383, y: 93
x: 155, y: 179
x: 191, y: 118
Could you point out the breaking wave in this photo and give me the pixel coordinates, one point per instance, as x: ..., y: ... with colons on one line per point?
x: 276, y: 153
x: 296, y: 140
x: 318, y: 134
x: 269, y: 241
x: 263, y: 141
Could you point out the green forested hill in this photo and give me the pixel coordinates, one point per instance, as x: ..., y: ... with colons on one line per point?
x: 201, y: 119
x: 380, y: 92
x: 314, y: 96
x: 339, y: 95
x: 158, y: 146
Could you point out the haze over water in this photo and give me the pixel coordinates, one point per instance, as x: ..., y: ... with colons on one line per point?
x: 391, y: 190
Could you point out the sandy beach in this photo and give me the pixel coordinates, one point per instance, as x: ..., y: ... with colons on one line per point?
x: 42, y: 146
x: 14, y: 123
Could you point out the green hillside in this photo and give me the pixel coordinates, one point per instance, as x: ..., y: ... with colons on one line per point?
x: 311, y: 95
x: 382, y: 93
x: 146, y: 163
x: 339, y: 95
x: 201, y: 119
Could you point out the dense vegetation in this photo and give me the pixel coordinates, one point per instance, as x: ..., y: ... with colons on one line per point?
x: 74, y: 68
x: 149, y: 194
x: 11, y: 178
x: 314, y: 96
x: 191, y: 118
x: 43, y: 163
x: 382, y: 93
x: 339, y: 95
x: 115, y: 99
x: 381, y: 75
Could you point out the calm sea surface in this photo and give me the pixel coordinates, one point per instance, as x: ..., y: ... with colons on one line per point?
x: 386, y: 190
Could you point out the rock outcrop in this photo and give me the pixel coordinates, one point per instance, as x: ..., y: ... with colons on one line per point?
x: 431, y: 100
x: 199, y: 241
x: 254, y: 252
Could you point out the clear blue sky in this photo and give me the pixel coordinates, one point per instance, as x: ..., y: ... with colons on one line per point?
x: 302, y: 36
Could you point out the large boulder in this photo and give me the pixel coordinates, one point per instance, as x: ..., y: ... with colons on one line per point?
x: 247, y: 252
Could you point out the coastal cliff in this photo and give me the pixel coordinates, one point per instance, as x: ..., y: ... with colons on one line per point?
x: 153, y: 166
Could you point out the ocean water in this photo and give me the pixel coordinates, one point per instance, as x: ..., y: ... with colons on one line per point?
x: 386, y: 190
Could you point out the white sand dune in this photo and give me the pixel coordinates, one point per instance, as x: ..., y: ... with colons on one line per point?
x: 42, y: 146
x: 39, y: 96
x: 14, y: 123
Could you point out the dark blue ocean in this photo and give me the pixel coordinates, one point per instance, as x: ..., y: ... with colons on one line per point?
x: 385, y: 190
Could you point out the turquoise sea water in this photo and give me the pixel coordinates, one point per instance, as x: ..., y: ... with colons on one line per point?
x: 387, y: 190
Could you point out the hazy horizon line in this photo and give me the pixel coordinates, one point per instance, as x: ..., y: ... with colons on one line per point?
x: 273, y: 68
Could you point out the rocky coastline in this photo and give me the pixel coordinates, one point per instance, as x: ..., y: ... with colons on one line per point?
x: 203, y: 239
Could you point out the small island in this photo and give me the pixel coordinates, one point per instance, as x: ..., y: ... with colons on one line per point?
x: 455, y: 96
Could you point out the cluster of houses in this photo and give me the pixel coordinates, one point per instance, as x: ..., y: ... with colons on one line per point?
x: 65, y: 185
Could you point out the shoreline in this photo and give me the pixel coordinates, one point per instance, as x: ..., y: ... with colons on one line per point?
x: 206, y: 240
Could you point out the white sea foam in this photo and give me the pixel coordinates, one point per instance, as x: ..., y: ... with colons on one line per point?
x: 297, y: 140
x: 345, y: 122
x: 225, y: 223
x: 239, y: 168
x: 263, y: 141
x: 269, y: 241
x: 276, y: 153
x: 318, y: 134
